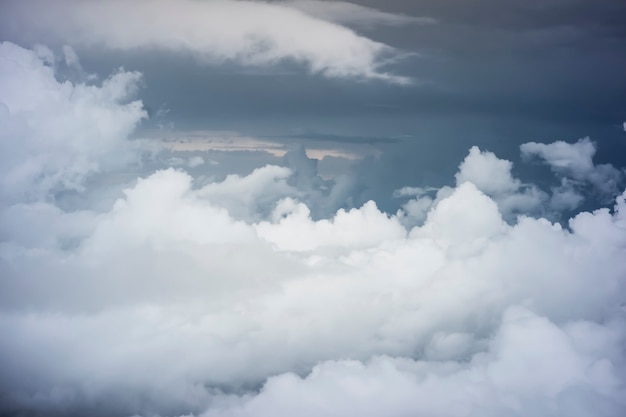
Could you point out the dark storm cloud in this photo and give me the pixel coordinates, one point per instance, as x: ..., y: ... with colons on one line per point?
x: 551, y: 61
x: 511, y: 14
x: 493, y: 74
x: 558, y: 71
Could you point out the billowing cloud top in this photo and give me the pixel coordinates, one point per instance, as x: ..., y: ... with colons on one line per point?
x: 244, y: 32
x: 127, y: 290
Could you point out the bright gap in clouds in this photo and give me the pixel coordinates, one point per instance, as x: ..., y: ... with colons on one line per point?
x: 170, y: 294
x: 203, y: 141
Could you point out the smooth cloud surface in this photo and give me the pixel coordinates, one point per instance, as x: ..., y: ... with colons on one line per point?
x: 244, y: 32
x: 189, y: 297
x: 349, y: 13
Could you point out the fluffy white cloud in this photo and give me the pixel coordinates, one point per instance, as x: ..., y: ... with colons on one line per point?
x: 575, y: 158
x: 53, y: 134
x: 489, y: 173
x: 454, y: 226
x: 245, y: 32
x: 162, y: 208
x: 294, y: 230
x: 215, y: 309
x: 251, y: 197
x: 492, y: 175
x: 528, y: 358
x: 179, y: 300
x: 575, y: 161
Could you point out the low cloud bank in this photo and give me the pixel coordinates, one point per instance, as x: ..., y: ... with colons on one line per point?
x: 200, y: 297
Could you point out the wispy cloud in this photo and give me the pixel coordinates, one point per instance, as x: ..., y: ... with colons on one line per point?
x: 575, y: 161
x: 246, y: 32
x: 354, y: 14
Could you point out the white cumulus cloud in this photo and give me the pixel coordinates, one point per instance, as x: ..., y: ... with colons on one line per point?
x: 185, y: 298
x: 55, y: 133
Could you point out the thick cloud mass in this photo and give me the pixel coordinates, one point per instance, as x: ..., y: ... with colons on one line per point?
x: 198, y: 297
x: 54, y: 134
x: 247, y: 32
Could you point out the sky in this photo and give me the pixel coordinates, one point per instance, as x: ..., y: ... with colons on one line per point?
x: 310, y: 207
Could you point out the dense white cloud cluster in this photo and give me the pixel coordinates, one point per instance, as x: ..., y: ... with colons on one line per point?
x: 54, y: 134
x: 187, y: 298
x: 579, y: 179
x: 493, y: 177
x: 246, y: 32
